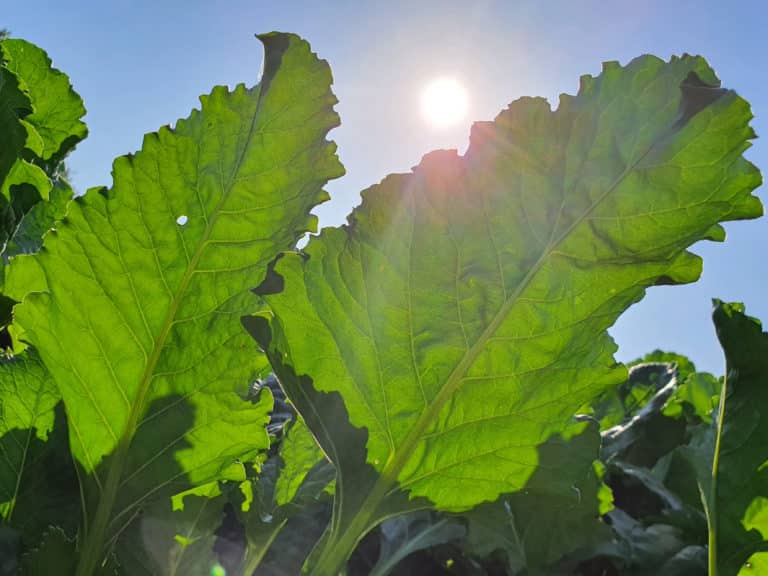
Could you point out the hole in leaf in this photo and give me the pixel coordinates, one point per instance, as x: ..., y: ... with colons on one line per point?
x: 181, y: 220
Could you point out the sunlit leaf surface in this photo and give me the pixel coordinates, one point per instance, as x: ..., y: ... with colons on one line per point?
x: 150, y: 277
x: 462, y: 313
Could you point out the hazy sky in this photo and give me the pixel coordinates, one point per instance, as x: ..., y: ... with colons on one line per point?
x: 139, y: 64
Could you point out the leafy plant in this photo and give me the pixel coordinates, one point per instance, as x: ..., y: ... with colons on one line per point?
x: 434, y: 352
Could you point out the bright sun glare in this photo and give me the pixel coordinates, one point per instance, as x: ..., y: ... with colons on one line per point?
x: 444, y: 102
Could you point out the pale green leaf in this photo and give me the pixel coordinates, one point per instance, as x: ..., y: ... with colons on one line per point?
x: 462, y: 314
x: 299, y: 453
x: 151, y: 277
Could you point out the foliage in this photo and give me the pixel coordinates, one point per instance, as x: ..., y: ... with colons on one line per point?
x: 446, y: 399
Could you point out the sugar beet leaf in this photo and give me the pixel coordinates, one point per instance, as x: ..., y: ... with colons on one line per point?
x: 460, y: 318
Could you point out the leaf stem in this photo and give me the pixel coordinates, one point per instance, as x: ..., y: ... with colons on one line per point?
x: 93, y: 548
x: 712, y: 516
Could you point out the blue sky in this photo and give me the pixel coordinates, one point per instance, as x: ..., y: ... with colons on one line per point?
x: 139, y: 64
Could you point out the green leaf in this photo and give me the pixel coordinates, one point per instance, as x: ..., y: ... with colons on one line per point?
x: 162, y: 265
x: 640, y: 549
x: 462, y: 313
x: 556, y: 514
x: 57, y: 109
x: 15, y: 105
x: 21, y: 183
x: 683, y: 364
x: 729, y: 457
x: 757, y: 564
x: 175, y: 537
x: 9, y: 551
x: 290, y: 483
x: 300, y: 454
x: 689, y: 561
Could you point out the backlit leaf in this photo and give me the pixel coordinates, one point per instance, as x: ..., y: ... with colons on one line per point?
x: 149, y: 279
x: 462, y: 314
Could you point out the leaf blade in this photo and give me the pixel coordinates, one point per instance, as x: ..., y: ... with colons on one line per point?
x: 152, y: 395
x: 488, y: 271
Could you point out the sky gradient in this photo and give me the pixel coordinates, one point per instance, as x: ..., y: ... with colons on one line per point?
x: 139, y: 64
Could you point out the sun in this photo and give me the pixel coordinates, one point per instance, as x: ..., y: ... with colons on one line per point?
x: 444, y: 102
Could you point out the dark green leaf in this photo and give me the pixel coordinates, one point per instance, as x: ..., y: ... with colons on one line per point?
x: 617, y: 406
x: 729, y: 457
x: 56, y: 554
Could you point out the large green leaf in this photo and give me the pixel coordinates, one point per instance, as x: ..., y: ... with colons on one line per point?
x: 151, y: 277
x: 462, y: 313
x: 729, y: 457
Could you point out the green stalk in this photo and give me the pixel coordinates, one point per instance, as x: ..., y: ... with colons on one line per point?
x: 92, y: 553
x: 712, y: 511
x: 338, y: 547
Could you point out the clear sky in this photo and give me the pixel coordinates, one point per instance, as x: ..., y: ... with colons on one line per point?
x: 139, y: 64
